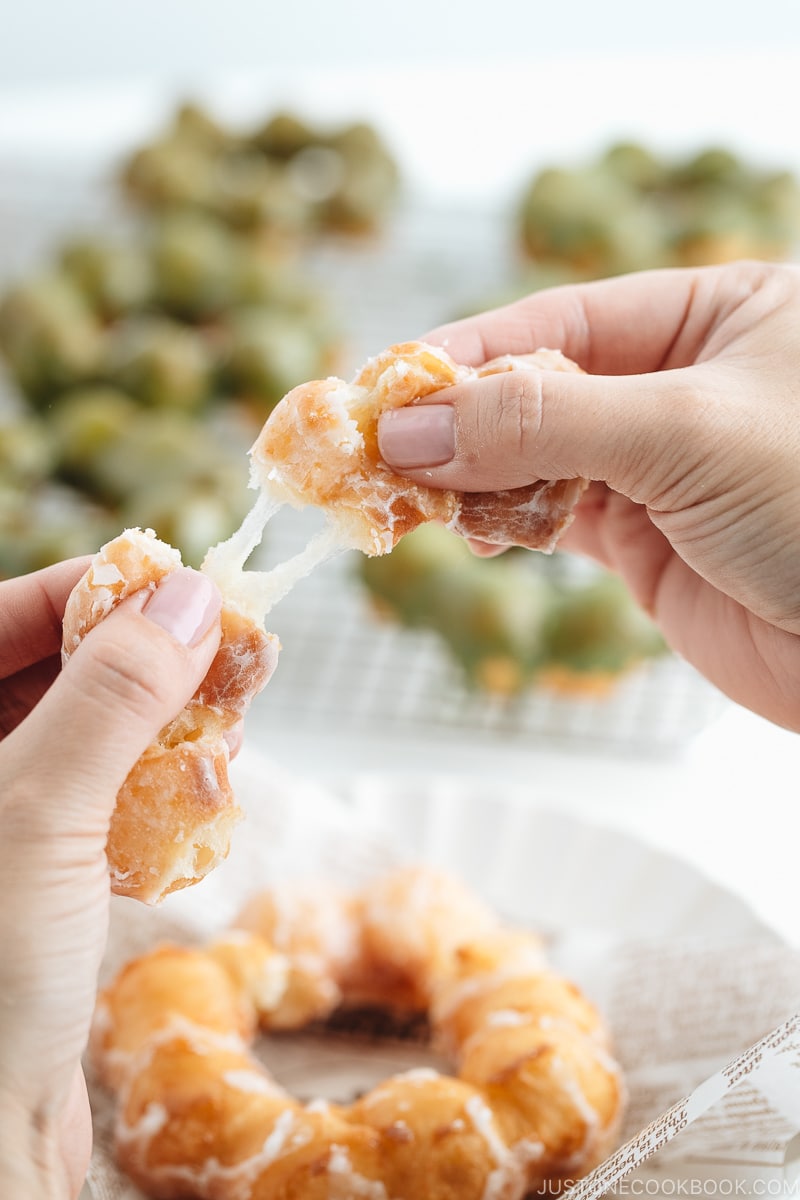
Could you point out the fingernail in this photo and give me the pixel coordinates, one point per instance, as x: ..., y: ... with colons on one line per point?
x: 420, y: 436
x: 186, y: 604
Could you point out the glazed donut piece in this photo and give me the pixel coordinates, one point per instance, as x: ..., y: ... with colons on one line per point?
x: 172, y: 986
x: 192, y: 1111
x: 432, y: 1146
x: 320, y: 447
x: 535, y: 1097
x: 316, y: 928
x: 176, y: 811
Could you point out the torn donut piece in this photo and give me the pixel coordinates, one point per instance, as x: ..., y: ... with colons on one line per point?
x: 176, y: 810
x: 320, y: 447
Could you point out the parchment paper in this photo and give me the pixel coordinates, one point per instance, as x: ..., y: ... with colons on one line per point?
x: 683, y: 995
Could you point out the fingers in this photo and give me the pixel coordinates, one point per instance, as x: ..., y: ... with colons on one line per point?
x: 24, y: 690
x: 485, y: 549
x: 128, y: 678
x: 507, y: 430
x: 31, y: 610
x: 629, y: 325
x: 234, y: 737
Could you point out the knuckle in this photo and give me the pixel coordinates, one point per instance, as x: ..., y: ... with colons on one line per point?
x: 677, y: 447
x: 699, y: 413
x: 125, y: 677
x: 517, y: 417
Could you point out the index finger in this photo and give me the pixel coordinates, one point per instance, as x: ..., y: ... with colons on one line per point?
x: 629, y: 325
x: 31, y: 612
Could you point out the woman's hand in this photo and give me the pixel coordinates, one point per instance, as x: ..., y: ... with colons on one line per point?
x: 69, y: 739
x: 689, y: 424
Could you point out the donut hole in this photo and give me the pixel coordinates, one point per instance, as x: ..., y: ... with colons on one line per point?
x: 340, y: 1061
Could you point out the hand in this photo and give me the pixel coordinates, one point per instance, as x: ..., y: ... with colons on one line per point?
x: 689, y: 424
x: 69, y: 739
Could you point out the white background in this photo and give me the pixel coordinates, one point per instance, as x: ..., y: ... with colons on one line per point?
x: 46, y: 42
x: 470, y: 94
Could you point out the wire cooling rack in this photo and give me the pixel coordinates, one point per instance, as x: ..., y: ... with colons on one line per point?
x: 343, y: 670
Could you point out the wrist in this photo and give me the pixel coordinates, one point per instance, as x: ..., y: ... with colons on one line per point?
x: 30, y: 1160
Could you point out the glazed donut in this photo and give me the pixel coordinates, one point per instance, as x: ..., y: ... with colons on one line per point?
x: 176, y: 810
x: 536, y: 1097
x: 319, y: 447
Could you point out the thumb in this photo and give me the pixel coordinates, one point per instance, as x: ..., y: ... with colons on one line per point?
x: 132, y: 674
x: 508, y: 430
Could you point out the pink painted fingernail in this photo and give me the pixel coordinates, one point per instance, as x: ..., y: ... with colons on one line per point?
x: 420, y: 436
x: 186, y: 604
